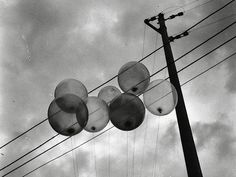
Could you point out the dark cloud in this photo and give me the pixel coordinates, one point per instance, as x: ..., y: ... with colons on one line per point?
x: 218, y: 134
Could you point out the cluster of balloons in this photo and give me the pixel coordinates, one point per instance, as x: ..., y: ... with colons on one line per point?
x: 72, y: 110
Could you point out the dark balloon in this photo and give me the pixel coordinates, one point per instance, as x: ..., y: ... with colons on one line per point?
x: 98, y: 114
x: 127, y: 112
x: 133, y: 77
x: 68, y: 123
x: 71, y: 86
x: 160, y: 98
x: 108, y: 93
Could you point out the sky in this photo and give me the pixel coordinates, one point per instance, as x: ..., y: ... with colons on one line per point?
x: 43, y: 42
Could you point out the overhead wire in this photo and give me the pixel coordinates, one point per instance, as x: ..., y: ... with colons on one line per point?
x: 187, y: 4
x: 150, y: 76
x: 185, y: 68
x: 203, y: 72
x: 162, y: 46
x: 200, y: 5
x: 214, y: 22
x: 88, y: 93
x: 209, y: 15
x: 118, y: 74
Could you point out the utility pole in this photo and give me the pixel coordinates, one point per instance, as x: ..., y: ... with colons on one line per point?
x: 189, y: 149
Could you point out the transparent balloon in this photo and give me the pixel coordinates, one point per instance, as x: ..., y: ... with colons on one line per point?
x: 108, y: 93
x: 67, y: 123
x: 160, y: 98
x: 98, y: 114
x: 71, y: 86
x: 127, y: 112
x: 133, y: 77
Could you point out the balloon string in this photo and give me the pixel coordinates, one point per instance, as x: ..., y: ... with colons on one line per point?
x: 156, y: 149
x: 94, y: 153
x: 155, y: 55
x: 144, y: 37
x: 109, y: 154
x: 144, y: 142
x: 73, y: 157
x: 133, y: 160
x: 127, y: 155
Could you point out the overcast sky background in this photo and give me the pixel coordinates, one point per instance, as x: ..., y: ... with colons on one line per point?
x: 43, y: 42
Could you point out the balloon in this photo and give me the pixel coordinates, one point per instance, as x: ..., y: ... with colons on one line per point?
x: 98, y: 114
x: 133, y: 77
x: 67, y: 123
x: 68, y: 103
x: 108, y: 93
x: 161, y: 97
x: 127, y: 112
x: 72, y: 86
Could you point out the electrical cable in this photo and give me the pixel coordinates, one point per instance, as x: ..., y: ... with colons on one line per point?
x: 113, y: 127
x: 182, y: 7
x: 214, y: 22
x: 199, y: 5
x: 25, y: 132
x: 208, y: 24
x: 192, y: 64
x: 88, y: 93
x: 209, y: 15
x: 117, y: 74
x: 137, y: 84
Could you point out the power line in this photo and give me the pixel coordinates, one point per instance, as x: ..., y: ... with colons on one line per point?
x: 26, y: 131
x: 71, y: 149
x: 199, y: 5
x: 192, y: 64
x: 209, y: 24
x: 88, y: 93
x: 209, y: 69
x: 187, y: 4
x: 137, y: 84
x: 214, y: 22
x: 209, y: 15
x: 113, y: 127
x: 120, y: 73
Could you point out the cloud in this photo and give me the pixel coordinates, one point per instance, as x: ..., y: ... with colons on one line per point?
x: 218, y: 135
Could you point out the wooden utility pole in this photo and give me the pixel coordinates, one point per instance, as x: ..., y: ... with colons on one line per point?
x: 189, y: 149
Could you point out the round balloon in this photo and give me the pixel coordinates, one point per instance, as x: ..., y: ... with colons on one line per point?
x: 71, y: 86
x: 108, y: 93
x: 161, y: 97
x: 133, y: 77
x: 127, y: 112
x: 67, y: 123
x: 98, y: 114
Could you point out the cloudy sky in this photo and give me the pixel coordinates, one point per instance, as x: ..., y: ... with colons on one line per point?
x: 43, y: 42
